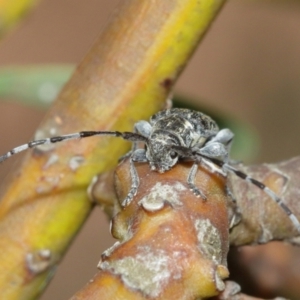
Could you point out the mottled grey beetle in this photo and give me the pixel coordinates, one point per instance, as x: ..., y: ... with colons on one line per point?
x: 172, y: 135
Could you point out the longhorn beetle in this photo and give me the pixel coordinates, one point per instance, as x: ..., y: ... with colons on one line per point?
x: 172, y: 135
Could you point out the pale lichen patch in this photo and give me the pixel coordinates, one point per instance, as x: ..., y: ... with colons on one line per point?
x: 160, y: 193
x: 47, y: 183
x: 44, y: 134
x: 109, y: 251
x: 38, y: 261
x: 51, y: 161
x: 209, y: 240
x: 75, y: 162
x: 266, y: 234
x: 148, y: 271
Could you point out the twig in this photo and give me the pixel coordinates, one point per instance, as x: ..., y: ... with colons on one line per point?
x: 262, y: 220
x: 172, y: 245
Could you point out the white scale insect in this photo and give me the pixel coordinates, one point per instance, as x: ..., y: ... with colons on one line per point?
x: 172, y: 135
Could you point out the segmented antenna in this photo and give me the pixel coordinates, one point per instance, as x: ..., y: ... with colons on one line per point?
x: 130, y: 136
x: 264, y: 188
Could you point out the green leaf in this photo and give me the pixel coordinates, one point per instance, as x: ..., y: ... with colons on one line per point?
x: 33, y: 85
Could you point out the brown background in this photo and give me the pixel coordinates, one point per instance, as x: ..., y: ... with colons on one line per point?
x: 247, y: 67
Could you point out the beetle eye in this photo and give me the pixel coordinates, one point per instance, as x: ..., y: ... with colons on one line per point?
x: 173, y: 154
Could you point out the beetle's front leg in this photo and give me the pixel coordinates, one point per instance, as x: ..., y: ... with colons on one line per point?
x: 191, y: 182
x: 139, y: 155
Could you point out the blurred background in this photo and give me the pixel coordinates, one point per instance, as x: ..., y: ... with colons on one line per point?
x: 247, y: 69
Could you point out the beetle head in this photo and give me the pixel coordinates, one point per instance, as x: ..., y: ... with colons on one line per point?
x: 160, y: 154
